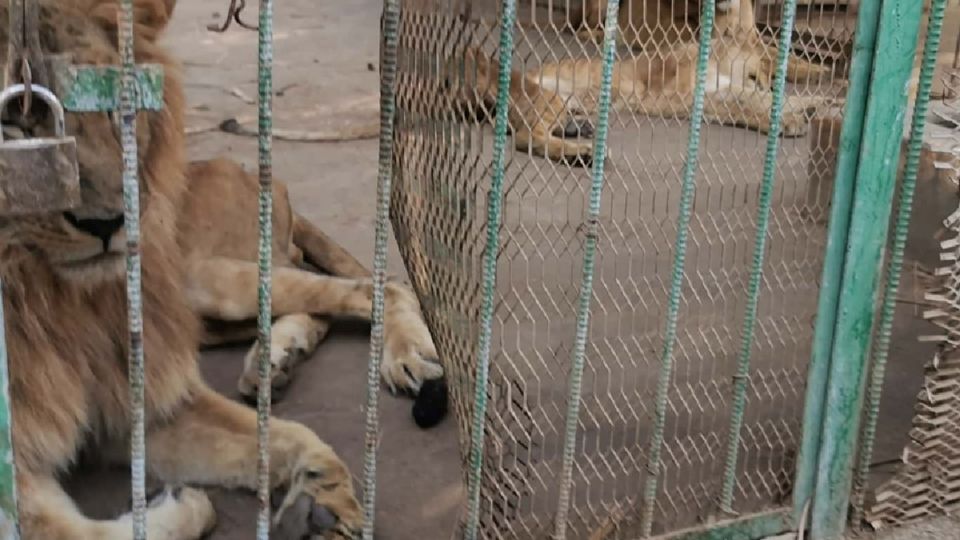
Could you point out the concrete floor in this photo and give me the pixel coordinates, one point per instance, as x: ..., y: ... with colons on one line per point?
x: 325, y: 58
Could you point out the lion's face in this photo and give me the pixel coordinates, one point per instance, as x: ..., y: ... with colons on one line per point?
x: 89, y: 240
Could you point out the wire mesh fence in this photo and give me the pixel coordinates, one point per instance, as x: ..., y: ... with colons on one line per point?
x: 447, y: 62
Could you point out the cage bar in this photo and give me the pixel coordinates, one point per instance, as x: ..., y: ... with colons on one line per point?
x: 388, y: 75
x: 265, y: 251
x: 861, y: 67
x: 677, y: 277
x: 869, y: 222
x: 759, y: 249
x: 131, y: 210
x: 586, y: 281
x: 881, y: 347
x: 508, y: 15
x: 9, y: 522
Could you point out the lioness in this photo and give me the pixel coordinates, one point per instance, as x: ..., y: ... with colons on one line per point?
x: 66, y: 325
x: 656, y: 78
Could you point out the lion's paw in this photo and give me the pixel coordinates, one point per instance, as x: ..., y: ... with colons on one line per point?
x: 180, y: 513
x: 797, y: 112
x: 409, y: 356
x: 293, y: 338
x: 320, y: 502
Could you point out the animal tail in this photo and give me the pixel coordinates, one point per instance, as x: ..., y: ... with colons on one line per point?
x: 321, y: 251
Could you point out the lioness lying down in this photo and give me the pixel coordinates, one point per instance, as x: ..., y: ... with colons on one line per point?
x: 66, y: 324
x: 551, y: 104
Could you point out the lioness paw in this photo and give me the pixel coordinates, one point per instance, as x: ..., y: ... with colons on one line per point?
x: 179, y: 513
x: 409, y: 355
x: 293, y: 338
x: 318, y: 503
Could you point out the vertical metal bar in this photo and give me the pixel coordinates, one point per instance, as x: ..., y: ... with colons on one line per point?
x: 869, y: 222
x: 586, y: 282
x: 508, y: 15
x: 902, y: 227
x: 388, y: 75
x: 759, y: 248
x: 687, y: 190
x: 264, y: 290
x: 131, y: 210
x: 9, y: 519
x: 861, y: 66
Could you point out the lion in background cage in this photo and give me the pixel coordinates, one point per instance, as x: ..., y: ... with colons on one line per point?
x: 550, y: 103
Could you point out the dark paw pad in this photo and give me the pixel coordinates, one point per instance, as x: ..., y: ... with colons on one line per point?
x: 303, y: 519
x: 430, y: 406
x: 158, y: 495
x: 276, y: 394
x: 575, y: 128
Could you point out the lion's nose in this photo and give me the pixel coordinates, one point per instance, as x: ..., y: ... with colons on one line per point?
x: 104, y: 229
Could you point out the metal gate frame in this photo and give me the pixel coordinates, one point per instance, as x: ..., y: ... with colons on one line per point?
x: 884, y: 50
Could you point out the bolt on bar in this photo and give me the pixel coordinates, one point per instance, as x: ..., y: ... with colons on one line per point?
x: 265, y: 250
x: 508, y: 14
x: 759, y: 248
x: 680, y: 254
x: 391, y: 21
x: 904, y: 211
x: 131, y: 210
x: 586, y: 282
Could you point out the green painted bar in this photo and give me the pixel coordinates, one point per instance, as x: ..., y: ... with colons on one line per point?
x: 687, y: 191
x: 747, y: 528
x: 859, y: 79
x: 508, y: 18
x: 881, y: 347
x: 97, y: 88
x: 575, y: 382
x: 9, y: 523
x: 741, y: 378
x: 873, y: 195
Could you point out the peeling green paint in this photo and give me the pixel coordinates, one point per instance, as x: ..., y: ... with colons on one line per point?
x: 84, y: 88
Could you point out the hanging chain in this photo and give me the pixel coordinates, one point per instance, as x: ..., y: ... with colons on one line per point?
x: 24, y: 55
x: 233, y: 15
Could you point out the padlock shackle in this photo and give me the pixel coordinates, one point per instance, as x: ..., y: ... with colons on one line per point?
x: 45, y: 94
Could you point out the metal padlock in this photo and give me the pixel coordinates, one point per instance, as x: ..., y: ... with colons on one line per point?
x: 38, y: 175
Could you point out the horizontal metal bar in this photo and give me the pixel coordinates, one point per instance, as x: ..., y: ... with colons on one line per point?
x: 85, y: 88
x: 746, y: 528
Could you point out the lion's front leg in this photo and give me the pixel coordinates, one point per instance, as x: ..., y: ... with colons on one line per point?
x: 226, y: 289
x: 47, y: 512
x: 212, y: 441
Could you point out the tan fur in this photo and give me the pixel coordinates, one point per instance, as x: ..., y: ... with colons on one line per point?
x: 220, y: 241
x: 65, y: 302
x: 657, y: 78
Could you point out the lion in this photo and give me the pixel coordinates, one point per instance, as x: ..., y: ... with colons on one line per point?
x: 220, y: 239
x: 549, y: 102
x: 64, y: 294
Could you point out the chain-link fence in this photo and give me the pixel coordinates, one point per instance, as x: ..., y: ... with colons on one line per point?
x: 446, y: 89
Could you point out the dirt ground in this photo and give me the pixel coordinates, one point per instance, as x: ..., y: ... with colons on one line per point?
x: 326, y: 55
